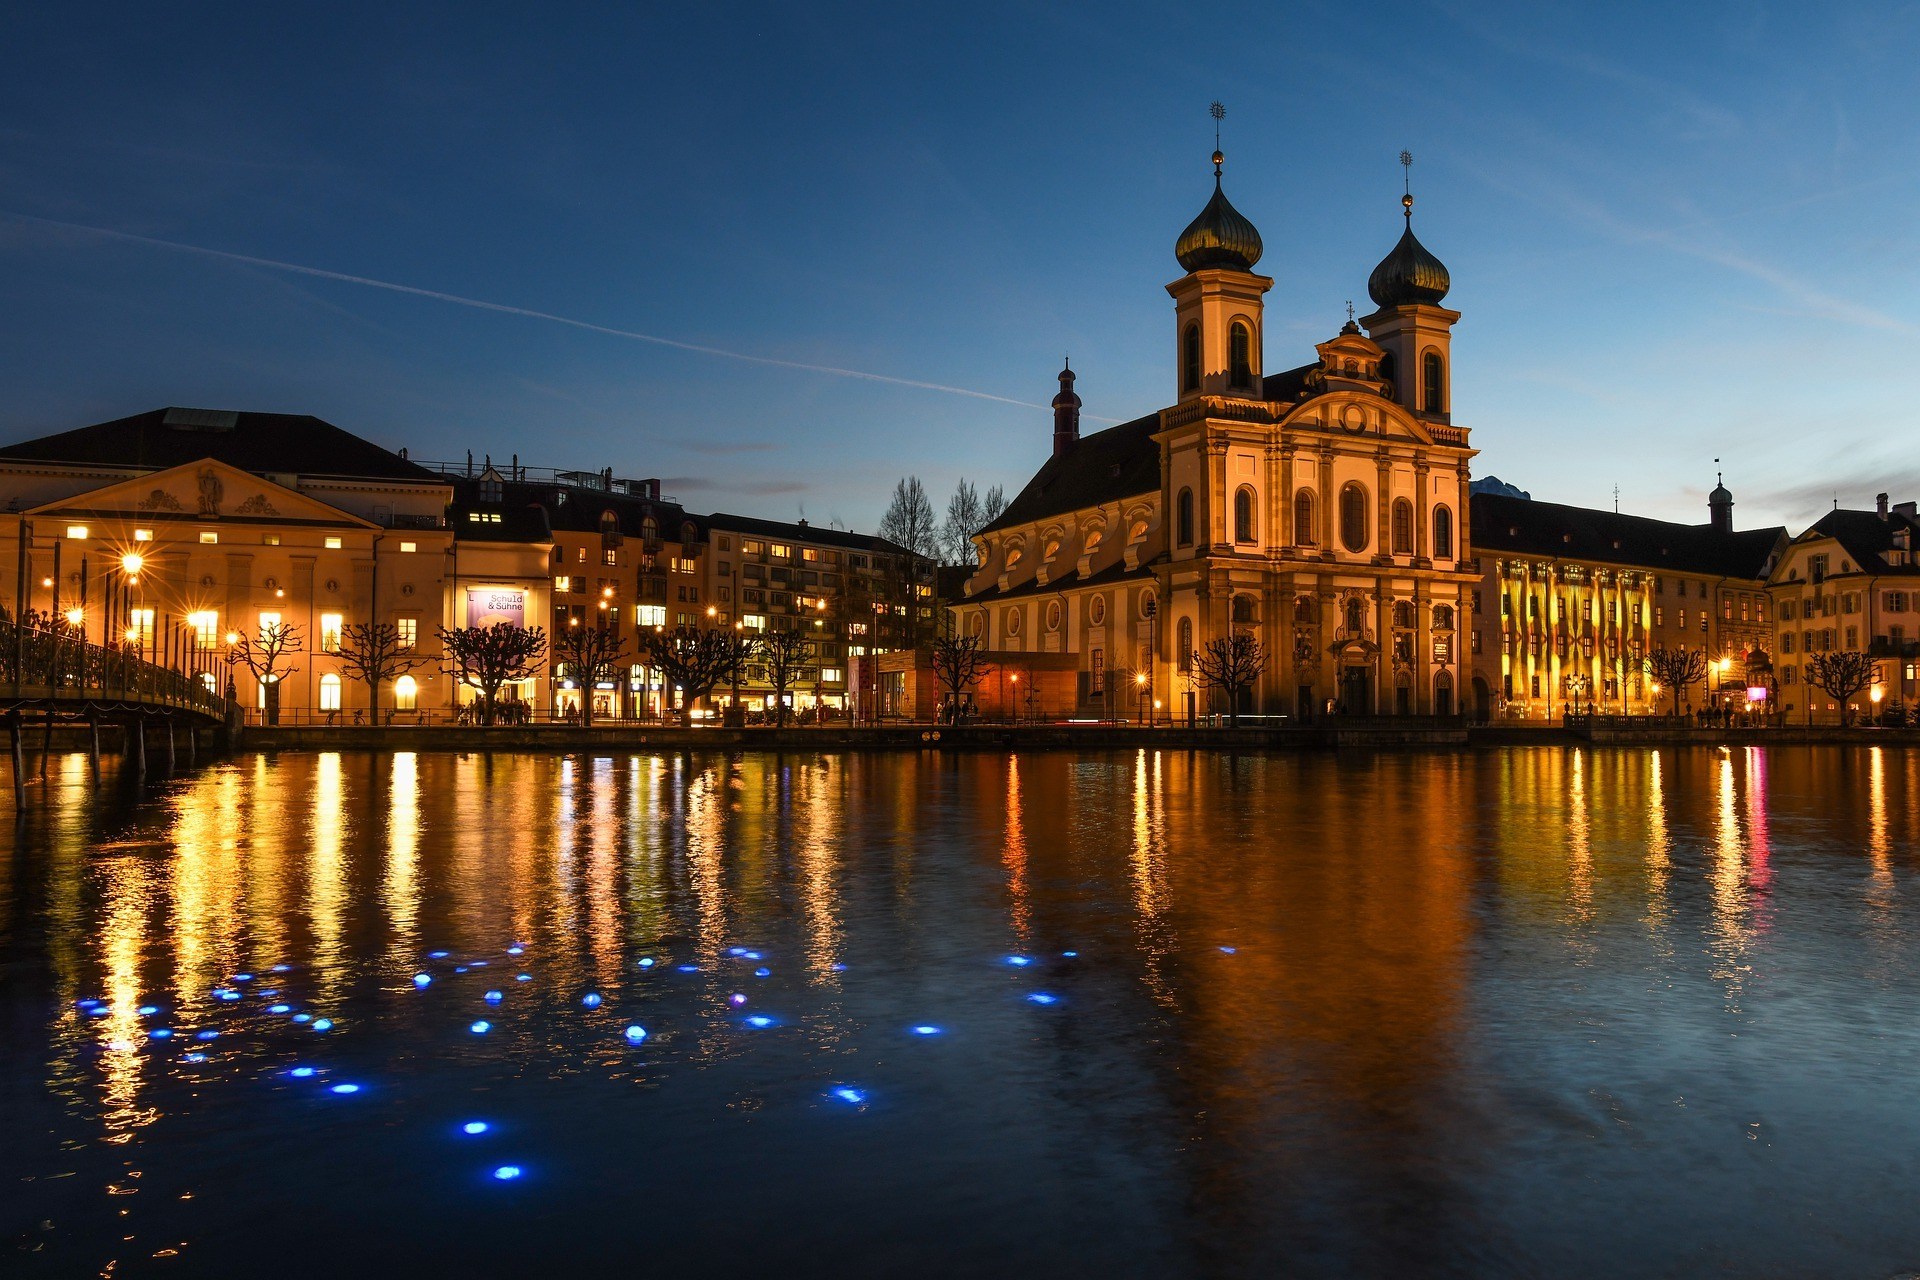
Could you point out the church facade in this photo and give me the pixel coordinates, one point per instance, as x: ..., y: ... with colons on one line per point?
x: 1321, y: 509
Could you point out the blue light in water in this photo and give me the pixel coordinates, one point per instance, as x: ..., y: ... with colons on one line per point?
x: 1069, y: 954
x: 1019, y: 962
x: 507, y: 1172
x: 636, y: 1033
x: 243, y: 977
x: 85, y: 1004
x: 302, y: 1073
x: 752, y: 955
x: 646, y: 962
x: 346, y: 1088
x: 323, y: 1024
x: 422, y: 979
x: 847, y: 1093
x: 459, y: 968
x: 1041, y: 997
x: 102, y: 1010
x: 736, y: 951
x: 515, y: 949
x: 1229, y: 950
x: 227, y: 995
x: 479, y: 964
x: 762, y: 972
x: 591, y: 1000
x: 193, y: 1057
x: 148, y: 1010
x: 160, y: 1033
x: 206, y: 1035
x: 736, y: 998
x: 474, y: 1127
x: 926, y: 1030
x: 523, y: 977
x: 839, y: 968
x: 282, y: 968
x: 279, y: 1008
x: 303, y: 1017
x: 760, y: 1021
x: 481, y: 1027
x: 689, y: 968
x: 267, y: 992
x: 438, y: 955
x: 493, y: 997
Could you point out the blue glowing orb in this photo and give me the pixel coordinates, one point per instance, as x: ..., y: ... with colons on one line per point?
x: 523, y: 977
x: 266, y: 993
x: 102, y: 1010
x: 282, y: 968
x: 148, y: 1010
x: 227, y: 995
x: 279, y: 1008
x: 635, y: 1034
x: 422, y: 979
x: 160, y: 1033
x: 474, y: 1127
x: 736, y: 998
x: 646, y: 962
x: 515, y: 949
x: 438, y: 955
x: 507, y: 1172
x: 303, y: 1017
x: 925, y: 1029
x: 736, y: 951
x: 689, y: 968
x: 839, y: 968
x: 302, y: 1073
x: 762, y: 973
x: 193, y: 1057
x: 481, y: 1027
x: 847, y: 1093
x: 1019, y: 962
x: 751, y: 955
x: 1229, y: 950
x: 85, y: 1004
x: 243, y: 977
x: 1069, y: 954
x: 459, y: 968
x: 323, y: 1024
x: 493, y: 997
x: 591, y: 1000
x: 1041, y: 997
x: 479, y: 964
x: 760, y: 1021
x: 346, y: 1088
x: 206, y: 1035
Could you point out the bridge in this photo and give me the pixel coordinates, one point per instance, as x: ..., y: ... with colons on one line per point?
x: 48, y: 676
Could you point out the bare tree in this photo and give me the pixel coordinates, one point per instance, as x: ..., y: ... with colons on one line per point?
x: 993, y: 504
x: 694, y: 661
x: 262, y: 655
x: 373, y: 653
x: 784, y: 654
x: 1841, y: 673
x: 1677, y: 669
x: 959, y: 663
x: 592, y: 655
x: 965, y: 515
x: 1230, y: 664
x: 487, y: 658
x: 909, y: 521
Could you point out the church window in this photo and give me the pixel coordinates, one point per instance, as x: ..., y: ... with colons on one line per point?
x: 1443, y: 617
x: 1013, y: 622
x: 1303, y: 609
x: 1190, y: 359
x: 1053, y: 615
x: 1402, y: 527
x: 1353, y: 516
x: 1183, y: 518
x: 1443, y: 533
x: 1243, y: 527
x: 1240, y: 356
x: 1303, y: 533
x: 1243, y: 609
x: 1433, y: 391
x: 1183, y: 652
x: 1403, y: 613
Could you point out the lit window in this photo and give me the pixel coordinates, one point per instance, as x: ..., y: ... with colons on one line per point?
x: 208, y: 537
x: 269, y: 621
x: 753, y: 621
x: 563, y: 583
x: 140, y: 627
x: 409, y: 629
x: 651, y: 615
x: 781, y: 551
x: 76, y: 531
x: 334, y: 543
x: 143, y: 535
x: 408, y: 548
x: 830, y: 675
x: 206, y: 628
x: 330, y: 626
x: 405, y: 691
x: 329, y: 692
x: 266, y: 539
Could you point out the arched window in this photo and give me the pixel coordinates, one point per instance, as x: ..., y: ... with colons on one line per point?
x: 1443, y: 533
x: 609, y: 522
x: 329, y: 692
x: 1303, y: 531
x: 1387, y: 368
x: 1183, y: 651
x: 649, y: 529
x: 1243, y: 608
x: 1183, y: 518
x: 1443, y: 617
x: 1353, y: 516
x: 406, y: 693
x: 1403, y: 613
x: 1190, y: 359
x: 1243, y: 529
x: 1240, y: 356
x: 1304, y: 609
x: 1402, y: 527
x: 1433, y: 387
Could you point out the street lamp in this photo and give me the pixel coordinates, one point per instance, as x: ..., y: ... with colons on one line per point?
x: 1140, y: 684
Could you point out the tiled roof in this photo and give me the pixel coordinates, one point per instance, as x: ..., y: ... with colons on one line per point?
x: 1866, y: 537
x: 1523, y: 527
x: 574, y: 509
x: 1106, y: 466
x: 258, y: 442
x: 824, y: 536
x: 518, y: 522
x: 1071, y: 580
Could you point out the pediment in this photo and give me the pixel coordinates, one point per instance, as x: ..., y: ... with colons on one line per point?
x: 207, y: 490
x: 1357, y: 413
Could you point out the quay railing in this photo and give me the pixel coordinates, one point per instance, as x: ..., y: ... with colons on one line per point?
x: 45, y: 666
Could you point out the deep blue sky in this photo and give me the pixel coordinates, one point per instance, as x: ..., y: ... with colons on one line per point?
x: 1676, y: 232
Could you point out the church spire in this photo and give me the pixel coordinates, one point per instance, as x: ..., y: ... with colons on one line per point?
x: 1066, y: 413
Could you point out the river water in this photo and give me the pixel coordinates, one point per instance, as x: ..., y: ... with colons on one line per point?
x: 1528, y: 1012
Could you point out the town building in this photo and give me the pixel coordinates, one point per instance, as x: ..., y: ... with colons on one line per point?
x: 1571, y: 602
x: 1851, y: 581
x: 1320, y: 509
x: 179, y: 531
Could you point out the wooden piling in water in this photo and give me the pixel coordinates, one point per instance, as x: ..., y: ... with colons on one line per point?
x: 19, y: 765
x: 93, y: 745
x: 193, y: 747
x: 46, y: 746
x: 137, y: 744
x: 170, y: 761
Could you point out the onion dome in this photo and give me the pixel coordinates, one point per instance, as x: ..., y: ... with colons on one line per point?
x: 1409, y: 274
x: 1221, y: 237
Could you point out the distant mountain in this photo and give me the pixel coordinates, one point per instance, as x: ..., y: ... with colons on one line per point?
x: 1494, y: 484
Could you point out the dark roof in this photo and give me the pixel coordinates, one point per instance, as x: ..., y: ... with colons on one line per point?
x: 1866, y: 537
x: 577, y: 509
x: 258, y: 442
x: 1524, y: 527
x: 1108, y: 465
x: 519, y: 522
x: 1287, y: 386
x: 825, y: 536
x: 1115, y: 572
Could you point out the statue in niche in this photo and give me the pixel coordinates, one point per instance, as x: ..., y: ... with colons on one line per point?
x: 209, y: 492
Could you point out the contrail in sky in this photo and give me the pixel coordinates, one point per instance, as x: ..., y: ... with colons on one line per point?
x: 501, y: 307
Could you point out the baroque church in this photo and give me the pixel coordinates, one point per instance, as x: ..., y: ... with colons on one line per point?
x: 1321, y: 509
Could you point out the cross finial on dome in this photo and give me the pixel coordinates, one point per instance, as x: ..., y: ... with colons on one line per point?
x: 1218, y: 112
x: 1406, y: 185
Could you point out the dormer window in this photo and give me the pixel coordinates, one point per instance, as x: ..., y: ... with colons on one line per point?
x: 492, y: 489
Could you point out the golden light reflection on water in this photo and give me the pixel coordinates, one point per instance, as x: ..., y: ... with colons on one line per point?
x: 1014, y: 855
x: 1659, y: 848
x: 401, y: 881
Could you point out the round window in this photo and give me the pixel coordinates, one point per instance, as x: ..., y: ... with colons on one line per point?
x: 1053, y: 615
x: 1013, y: 622
x: 1098, y: 610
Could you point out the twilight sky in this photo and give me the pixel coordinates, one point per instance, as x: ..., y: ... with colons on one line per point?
x: 1676, y: 232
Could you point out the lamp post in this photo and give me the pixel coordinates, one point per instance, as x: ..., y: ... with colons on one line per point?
x: 1152, y: 609
x: 1140, y: 688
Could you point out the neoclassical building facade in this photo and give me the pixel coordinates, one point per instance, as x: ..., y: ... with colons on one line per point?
x: 1321, y: 509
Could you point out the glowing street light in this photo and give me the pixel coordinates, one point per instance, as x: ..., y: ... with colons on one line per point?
x: 133, y: 562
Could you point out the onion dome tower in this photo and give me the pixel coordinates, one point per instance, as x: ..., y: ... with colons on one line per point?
x: 1218, y: 303
x: 1066, y: 414
x: 1411, y: 326
x: 1720, y: 504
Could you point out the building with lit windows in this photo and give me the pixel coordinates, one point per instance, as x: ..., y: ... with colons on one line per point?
x: 1572, y: 600
x: 179, y: 530
x: 1321, y: 509
x: 1851, y: 581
